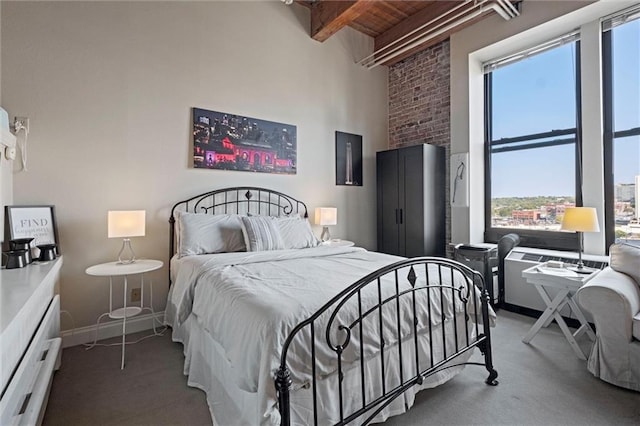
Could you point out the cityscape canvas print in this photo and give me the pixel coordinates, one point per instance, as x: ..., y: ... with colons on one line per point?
x: 235, y: 142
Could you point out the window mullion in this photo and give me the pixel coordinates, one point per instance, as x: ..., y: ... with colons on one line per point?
x: 534, y: 136
x: 488, y: 135
x: 579, y: 165
x: 635, y: 131
x: 524, y: 147
x: 607, y: 97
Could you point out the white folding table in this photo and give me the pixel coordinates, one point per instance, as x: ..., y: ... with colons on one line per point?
x: 566, y: 282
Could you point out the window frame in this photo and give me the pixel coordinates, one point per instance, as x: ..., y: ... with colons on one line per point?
x: 553, y: 240
x: 609, y: 137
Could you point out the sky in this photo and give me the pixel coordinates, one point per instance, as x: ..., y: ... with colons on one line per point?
x: 537, y: 95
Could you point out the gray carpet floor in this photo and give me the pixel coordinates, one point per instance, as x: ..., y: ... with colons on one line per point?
x: 542, y: 383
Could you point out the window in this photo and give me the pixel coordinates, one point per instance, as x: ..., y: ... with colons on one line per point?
x: 532, y: 138
x: 621, y: 91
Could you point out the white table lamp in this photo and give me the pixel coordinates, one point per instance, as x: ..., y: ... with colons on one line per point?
x: 125, y: 224
x: 326, y: 216
x: 580, y: 219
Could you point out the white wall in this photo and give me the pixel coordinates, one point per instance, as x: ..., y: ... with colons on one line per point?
x: 493, y: 37
x: 6, y: 177
x: 108, y: 88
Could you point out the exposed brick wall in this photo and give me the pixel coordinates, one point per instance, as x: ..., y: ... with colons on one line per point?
x: 419, y: 106
x: 419, y: 98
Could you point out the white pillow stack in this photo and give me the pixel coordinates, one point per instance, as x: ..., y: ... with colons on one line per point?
x: 200, y: 233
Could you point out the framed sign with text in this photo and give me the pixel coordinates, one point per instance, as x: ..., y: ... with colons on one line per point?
x: 37, y: 222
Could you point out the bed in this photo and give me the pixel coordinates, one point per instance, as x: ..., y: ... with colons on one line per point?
x: 279, y: 329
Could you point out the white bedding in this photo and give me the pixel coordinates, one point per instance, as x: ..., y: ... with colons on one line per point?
x: 249, y: 302
x: 207, y: 369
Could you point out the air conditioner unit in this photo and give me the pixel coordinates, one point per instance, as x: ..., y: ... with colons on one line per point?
x: 522, y: 297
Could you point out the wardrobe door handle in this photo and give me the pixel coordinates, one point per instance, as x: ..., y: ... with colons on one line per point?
x: 400, y: 216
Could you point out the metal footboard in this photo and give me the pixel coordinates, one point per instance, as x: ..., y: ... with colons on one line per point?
x: 396, y: 308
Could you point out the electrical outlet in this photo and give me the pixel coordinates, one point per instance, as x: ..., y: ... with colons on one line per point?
x: 135, y: 295
x: 21, y: 123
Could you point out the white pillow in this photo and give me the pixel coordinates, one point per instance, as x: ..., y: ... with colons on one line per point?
x: 261, y: 233
x: 296, y: 232
x: 205, y: 233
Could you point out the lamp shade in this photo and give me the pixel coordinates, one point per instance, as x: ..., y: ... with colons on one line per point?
x: 580, y: 219
x: 326, y: 216
x: 126, y: 223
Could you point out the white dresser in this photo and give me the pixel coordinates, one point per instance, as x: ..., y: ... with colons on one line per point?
x: 30, y: 342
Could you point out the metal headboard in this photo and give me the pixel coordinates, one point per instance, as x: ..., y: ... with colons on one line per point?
x: 236, y: 200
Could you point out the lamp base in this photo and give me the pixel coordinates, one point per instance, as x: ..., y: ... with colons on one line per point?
x: 581, y: 269
x: 126, y: 244
x: 325, y: 236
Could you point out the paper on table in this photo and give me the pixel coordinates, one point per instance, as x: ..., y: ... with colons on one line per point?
x: 561, y: 272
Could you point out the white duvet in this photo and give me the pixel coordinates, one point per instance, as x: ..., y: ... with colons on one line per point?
x: 250, y: 302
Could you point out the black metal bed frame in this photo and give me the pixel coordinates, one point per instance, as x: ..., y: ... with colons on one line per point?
x: 261, y: 201
x: 353, y: 294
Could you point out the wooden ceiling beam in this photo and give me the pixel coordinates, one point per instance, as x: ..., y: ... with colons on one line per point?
x: 329, y: 17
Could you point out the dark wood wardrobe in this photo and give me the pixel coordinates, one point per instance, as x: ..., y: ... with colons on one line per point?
x: 411, y: 201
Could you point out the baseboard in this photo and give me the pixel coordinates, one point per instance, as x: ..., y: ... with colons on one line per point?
x: 80, y: 335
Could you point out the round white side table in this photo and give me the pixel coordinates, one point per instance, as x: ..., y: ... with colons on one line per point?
x: 115, y: 269
x: 338, y: 243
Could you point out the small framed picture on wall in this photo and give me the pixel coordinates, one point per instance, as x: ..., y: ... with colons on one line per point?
x: 348, y: 159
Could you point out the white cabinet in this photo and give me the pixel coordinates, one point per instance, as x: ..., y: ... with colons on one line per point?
x: 30, y: 341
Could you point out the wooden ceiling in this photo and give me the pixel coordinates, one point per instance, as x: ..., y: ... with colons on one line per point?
x: 388, y: 21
